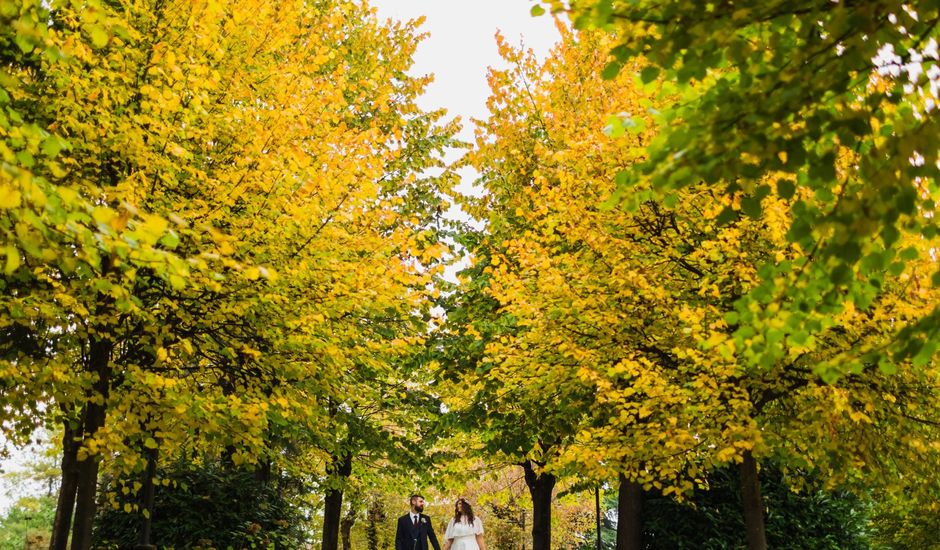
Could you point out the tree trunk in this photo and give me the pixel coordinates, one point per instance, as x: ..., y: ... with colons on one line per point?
x: 597, y: 516
x: 376, y: 516
x: 629, y: 515
x: 263, y: 472
x: 147, y: 497
x: 346, y: 531
x: 352, y: 511
x: 753, y: 508
x: 67, y: 489
x: 333, y: 503
x: 540, y: 486
x: 95, y: 412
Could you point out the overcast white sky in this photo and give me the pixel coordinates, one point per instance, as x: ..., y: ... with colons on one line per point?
x: 461, y: 46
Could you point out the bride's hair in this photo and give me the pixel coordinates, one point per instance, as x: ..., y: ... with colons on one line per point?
x: 467, y: 511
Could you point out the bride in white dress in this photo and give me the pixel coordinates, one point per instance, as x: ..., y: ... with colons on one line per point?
x: 464, y: 531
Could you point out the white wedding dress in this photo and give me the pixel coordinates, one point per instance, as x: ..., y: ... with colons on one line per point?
x: 464, y: 534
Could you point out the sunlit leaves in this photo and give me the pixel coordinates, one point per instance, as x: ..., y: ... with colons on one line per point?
x: 198, y: 186
x: 661, y: 335
x: 790, y: 91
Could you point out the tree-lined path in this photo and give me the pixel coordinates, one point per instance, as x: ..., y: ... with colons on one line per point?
x: 697, y: 274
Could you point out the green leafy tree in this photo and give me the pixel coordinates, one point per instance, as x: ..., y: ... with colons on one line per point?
x: 791, y: 88
x: 26, y: 523
x: 711, y: 518
x: 210, y: 505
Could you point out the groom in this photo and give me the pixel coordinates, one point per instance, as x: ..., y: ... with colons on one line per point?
x: 414, y: 528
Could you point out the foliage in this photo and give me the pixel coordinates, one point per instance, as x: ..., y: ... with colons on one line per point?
x: 619, y: 326
x: 208, y: 506
x: 595, y: 295
x: 769, y: 99
x: 711, y: 518
x: 27, y: 520
x: 65, y: 247
x: 205, y: 196
x: 906, y: 520
x: 623, y: 317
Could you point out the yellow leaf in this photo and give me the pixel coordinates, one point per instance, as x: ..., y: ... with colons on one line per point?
x: 13, y: 259
x: 9, y: 197
x: 176, y: 150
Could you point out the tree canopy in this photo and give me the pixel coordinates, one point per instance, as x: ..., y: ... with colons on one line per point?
x: 770, y: 100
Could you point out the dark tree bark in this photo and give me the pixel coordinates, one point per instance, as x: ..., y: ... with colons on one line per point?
x: 263, y: 472
x: 376, y: 517
x: 629, y: 515
x: 147, y: 496
x: 753, y: 507
x: 540, y: 486
x: 65, y: 504
x: 95, y: 412
x: 333, y: 503
x: 346, y: 528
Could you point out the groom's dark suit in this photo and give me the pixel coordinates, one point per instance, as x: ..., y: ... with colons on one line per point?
x: 409, y: 537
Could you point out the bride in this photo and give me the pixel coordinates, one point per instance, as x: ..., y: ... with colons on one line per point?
x: 464, y: 531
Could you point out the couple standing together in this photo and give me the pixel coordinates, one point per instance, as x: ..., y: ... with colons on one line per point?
x: 464, y: 530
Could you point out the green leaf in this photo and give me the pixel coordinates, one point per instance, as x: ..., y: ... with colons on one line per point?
x: 537, y: 10
x: 611, y: 70
x: 887, y: 367
x: 99, y: 35
x: 726, y: 216
x: 799, y: 230
x: 909, y: 254
x: 890, y: 234
x: 751, y: 206
x: 52, y: 145
x: 785, y: 188
x: 841, y: 274
x: 24, y: 43
x: 798, y: 338
x: 170, y: 239
x: 614, y: 127
x: 25, y: 158
x: 13, y: 259
x: 849, y: 252
x: 649, y: 74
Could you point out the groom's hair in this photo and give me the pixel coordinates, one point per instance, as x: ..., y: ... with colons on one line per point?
x: 411, y: 499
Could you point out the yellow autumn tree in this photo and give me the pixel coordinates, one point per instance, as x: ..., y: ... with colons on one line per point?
x: 618, y: 321
x: 283, y: 151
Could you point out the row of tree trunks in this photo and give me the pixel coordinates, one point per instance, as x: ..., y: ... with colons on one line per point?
x: 630, y: 509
